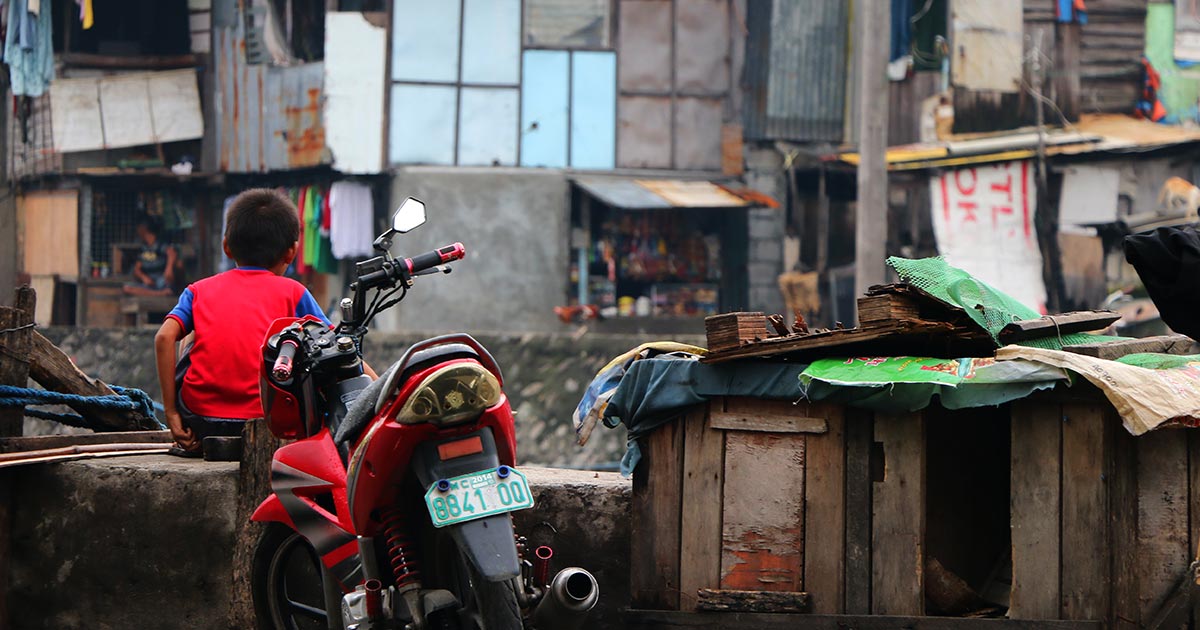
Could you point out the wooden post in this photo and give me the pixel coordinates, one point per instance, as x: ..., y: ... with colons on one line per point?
x: 254, y: 485
x: 898, y: 518
x: 871, y: 223
x: 1036, y: 505
x: 1121, y: 464
x: 14, y: 370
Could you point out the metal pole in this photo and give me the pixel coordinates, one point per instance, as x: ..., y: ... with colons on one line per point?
x: 872, y: 27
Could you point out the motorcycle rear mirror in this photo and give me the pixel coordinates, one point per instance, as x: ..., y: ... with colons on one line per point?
x: 409, y: 216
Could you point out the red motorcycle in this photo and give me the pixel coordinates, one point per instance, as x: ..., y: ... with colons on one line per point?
x: 392, y: 507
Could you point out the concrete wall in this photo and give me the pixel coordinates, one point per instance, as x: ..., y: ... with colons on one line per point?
x: 545, y: 375
x: 514, y: 224
x: 146, y: 542
x: 766, y: 229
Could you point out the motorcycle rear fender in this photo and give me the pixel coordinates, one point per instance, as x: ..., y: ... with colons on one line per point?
x: 271, y: 511
x: 487, y: 543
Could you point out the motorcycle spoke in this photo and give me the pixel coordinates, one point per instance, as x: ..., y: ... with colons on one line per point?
x: 310, y: 611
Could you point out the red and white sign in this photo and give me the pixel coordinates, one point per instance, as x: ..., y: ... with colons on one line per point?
x: 983, y: 220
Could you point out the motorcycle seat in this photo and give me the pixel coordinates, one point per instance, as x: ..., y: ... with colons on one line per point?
x: 368, y: 401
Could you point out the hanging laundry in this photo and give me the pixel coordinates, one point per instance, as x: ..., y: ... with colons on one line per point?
x: 352, y: 220
x: 85, y: 13
x: 28, y: 48
x: 34, y: 6
x: 1071, y: 11
x: 1148, y: 105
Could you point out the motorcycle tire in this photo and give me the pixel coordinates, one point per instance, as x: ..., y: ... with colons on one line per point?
x: 287, y: 582
x: 489, y: 605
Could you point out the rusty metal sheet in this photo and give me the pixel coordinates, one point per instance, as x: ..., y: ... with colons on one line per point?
x: 795, y: 69
x: 692, y: 194
x: 702, y: 46
x: 267, y: 117
x: 644, y: 39
x: 988, y: 45
x: 643, y: 132
x: 698, y: 133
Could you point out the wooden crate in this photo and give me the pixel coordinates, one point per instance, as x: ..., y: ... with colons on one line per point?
x: 847, y: 506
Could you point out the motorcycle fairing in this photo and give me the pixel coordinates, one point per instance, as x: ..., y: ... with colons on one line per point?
x: 300, y: 472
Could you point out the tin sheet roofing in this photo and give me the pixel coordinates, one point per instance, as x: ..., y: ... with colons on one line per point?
x: 649, y: 194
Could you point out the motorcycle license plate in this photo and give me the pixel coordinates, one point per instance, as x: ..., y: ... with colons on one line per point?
x: 477, y: 495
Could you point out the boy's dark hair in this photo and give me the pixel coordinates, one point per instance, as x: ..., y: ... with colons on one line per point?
x: 153, y: 224
x: 260, y: 227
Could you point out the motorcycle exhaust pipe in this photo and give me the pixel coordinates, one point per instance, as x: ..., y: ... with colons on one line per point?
x: 571, y: 594
x: 541, y: 566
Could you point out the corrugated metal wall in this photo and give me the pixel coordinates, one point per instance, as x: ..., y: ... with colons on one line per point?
x: 267, y: 117
x: 796, y: 69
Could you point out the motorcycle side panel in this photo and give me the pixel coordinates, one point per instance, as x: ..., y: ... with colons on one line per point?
x: 302, y: 474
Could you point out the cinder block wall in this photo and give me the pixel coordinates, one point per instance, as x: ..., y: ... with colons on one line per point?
x: 146, y: 542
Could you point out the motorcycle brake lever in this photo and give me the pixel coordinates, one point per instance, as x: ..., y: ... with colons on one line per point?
x: 435, y: 269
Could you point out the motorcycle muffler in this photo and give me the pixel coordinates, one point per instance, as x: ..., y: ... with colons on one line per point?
x: 571, y: 594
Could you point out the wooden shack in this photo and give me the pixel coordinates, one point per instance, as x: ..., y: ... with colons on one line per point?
x: 1042, y: 512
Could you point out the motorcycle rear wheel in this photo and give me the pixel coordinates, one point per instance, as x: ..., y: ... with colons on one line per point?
x: 487, y: 605
x: 287, y: 582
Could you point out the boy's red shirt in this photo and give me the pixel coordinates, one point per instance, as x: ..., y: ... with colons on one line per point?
x: 230, y: 313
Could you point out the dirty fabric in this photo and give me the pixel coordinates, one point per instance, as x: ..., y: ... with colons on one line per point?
x: 596, y: 397
x: 1168, y: 262
x: 1146, y: 398
x: 28, y: 49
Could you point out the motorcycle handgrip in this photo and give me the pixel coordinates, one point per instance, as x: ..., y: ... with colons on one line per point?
x: 439, y: 256
x: 282, y: 370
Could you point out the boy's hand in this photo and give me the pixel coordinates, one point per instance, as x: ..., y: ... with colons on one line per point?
x: 183, y: 435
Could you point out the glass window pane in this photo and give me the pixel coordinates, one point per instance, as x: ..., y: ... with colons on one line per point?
x: 593, y: 109
x: 422, y: 124
x: 425, y: 40
x: 487, y: 128
x: 567, y: 23
x: 544, y: 109
x: 491, y: 41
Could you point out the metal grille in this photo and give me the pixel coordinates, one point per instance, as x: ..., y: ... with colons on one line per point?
x: 116, y: 214
x: 31, y: 139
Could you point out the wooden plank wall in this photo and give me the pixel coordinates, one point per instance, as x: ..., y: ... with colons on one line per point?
x: 657, y: 494
x: 1086, y: 582
x: 1035, y: 506
x: 703, y: 495
x: 825, y: 512
x: 860, y: 440
x: 1162, y: 517
x: 753, y: 521
x: 898, y: 518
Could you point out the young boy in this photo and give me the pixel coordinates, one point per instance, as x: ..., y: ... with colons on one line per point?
x: 230, y: 313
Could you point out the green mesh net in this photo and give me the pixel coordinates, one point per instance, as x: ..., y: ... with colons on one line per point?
x: 989, y: 307
x: 1155, y: 361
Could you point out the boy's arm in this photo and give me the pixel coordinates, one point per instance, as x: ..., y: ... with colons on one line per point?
x: 172, y: 257
x: 164, y: 353
x: 139, y: 274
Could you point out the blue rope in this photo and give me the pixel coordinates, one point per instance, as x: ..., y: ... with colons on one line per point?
x: 124, y: 399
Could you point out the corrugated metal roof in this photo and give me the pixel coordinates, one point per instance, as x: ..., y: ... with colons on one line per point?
x: 652, y: 194
x: 795, y: 69
x: 267, y: 117
x: 1094, y: 133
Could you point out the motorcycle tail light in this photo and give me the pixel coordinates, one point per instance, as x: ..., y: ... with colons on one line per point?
x: 453, y: 394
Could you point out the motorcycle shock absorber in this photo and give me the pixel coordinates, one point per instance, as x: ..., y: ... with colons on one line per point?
x: 401, y: 550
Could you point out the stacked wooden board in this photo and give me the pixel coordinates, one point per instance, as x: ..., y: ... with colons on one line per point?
x: 731, y: 330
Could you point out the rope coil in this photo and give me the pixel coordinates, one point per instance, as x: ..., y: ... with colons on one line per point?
x: 123, y: 399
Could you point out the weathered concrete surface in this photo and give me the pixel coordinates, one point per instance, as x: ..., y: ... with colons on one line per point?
x: 514, y: 216
x: 545, y: 375
x: 146, y: 542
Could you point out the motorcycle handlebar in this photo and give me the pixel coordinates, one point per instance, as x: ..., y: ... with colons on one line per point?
x: 439, y: 256
x: 282, y: 370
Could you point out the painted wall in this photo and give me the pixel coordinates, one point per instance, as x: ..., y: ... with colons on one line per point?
x: 513, y: 223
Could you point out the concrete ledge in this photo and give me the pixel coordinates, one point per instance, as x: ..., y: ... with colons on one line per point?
x: 146, y: 541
